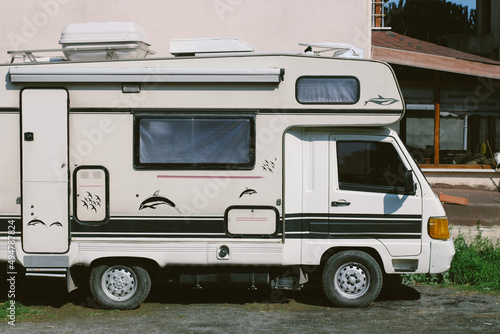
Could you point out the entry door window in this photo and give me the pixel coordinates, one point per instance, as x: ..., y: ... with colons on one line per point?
x: 370, y: 166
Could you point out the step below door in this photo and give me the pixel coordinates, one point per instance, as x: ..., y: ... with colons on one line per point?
x: 44, y: 138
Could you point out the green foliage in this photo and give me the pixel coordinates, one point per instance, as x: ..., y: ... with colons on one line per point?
x: 16, y: 313
x: 429, y: 20
x: 475, y: 264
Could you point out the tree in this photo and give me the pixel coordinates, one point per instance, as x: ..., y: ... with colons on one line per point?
x: 428, y: 20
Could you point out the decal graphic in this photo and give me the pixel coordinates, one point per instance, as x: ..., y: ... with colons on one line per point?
x: 36, y: 222
x: 269, y: 166
x: 248, y: 192
x: 155, y: 200
x: 382, y: 100
x: 91, y: 202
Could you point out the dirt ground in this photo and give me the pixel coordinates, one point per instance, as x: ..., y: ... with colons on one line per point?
x: 174, y: 309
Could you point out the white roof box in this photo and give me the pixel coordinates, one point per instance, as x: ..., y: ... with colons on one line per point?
x: 106, y: 40
x: 191, y: 47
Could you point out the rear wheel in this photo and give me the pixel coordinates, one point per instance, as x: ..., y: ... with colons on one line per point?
x: 119, y: 286
x: 352, y: 279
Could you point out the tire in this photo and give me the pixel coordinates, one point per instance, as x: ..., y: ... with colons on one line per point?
x: 352, y: 279
x: 119, y: 286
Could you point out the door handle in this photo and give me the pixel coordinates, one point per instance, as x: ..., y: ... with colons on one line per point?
x: 341, y: 202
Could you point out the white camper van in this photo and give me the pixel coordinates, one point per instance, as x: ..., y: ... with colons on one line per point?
x: 218, y: 164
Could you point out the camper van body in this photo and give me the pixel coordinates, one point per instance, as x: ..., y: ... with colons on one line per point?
x: 270, y: 168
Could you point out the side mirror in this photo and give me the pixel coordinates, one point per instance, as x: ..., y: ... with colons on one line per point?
x: 410, y: 187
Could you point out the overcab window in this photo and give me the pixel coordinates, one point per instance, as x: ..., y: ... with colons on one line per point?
x: 194, y: 143
x: 327, y: 90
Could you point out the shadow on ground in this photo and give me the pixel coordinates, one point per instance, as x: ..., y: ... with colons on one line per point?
x: 53, y: 293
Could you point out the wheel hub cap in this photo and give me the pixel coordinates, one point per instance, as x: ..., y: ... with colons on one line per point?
x: 119, y: 283
x: 352, y: 280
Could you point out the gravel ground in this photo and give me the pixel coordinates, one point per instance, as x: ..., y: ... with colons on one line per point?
x: 399, y: 309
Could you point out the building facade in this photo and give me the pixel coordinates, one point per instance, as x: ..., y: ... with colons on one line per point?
x: 268, y: 26
x: 452, y: 119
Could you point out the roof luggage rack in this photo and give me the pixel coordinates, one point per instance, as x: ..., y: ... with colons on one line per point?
x: 105, y: 52
x: 94, y: 41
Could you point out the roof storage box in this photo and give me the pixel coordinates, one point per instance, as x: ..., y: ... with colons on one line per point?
x: 107, y: 40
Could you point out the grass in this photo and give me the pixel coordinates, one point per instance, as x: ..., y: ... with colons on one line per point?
x: 20, y: 311
x: 476, y: 264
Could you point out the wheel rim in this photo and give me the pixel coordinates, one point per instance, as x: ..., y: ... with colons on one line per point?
x: 352, y: 280
x: 119, y: 283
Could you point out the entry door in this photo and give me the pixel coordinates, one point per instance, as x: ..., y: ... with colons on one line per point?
x: 366, y: 196
x: 44, y: 138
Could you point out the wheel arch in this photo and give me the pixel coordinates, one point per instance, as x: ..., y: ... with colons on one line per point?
x: 369, y: 250
x: 146, y: 263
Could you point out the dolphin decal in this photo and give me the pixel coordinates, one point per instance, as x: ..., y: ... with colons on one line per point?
x: 248, y: 192
x: 382, y: 100
x: 155, y: 200
x: 35, y: 222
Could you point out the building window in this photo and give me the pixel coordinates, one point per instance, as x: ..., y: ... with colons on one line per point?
x: 198, y: 142
x: 327, y: 90
x: 464, y: 139
x: 451, y: 122
x: 379, y: 14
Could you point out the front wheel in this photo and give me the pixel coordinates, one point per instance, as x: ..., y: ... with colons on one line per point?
x: 119, y: 286
x: 352, y: 279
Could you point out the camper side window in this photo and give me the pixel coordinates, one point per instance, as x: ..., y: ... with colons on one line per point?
x: 327, y: 90
x: 198, y: 142
x: 370, y: 166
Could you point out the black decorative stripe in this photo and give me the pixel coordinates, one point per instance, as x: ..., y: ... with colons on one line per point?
x: 313, y: 235
x: 354, y: 215
x: 175, y: 227
x: 383, y: 226
x: 304, y: 225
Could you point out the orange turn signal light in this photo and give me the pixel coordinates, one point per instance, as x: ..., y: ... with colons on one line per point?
x: 438, y: 228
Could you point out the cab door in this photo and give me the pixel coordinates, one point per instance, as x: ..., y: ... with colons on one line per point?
x: 367, y: 196
x: 44, y: 163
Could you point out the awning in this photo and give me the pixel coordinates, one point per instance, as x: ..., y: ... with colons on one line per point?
x: 145, y: 74
x: 398, y: 49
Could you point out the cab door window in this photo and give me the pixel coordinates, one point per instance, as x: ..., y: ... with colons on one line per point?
x: 370, y: 166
